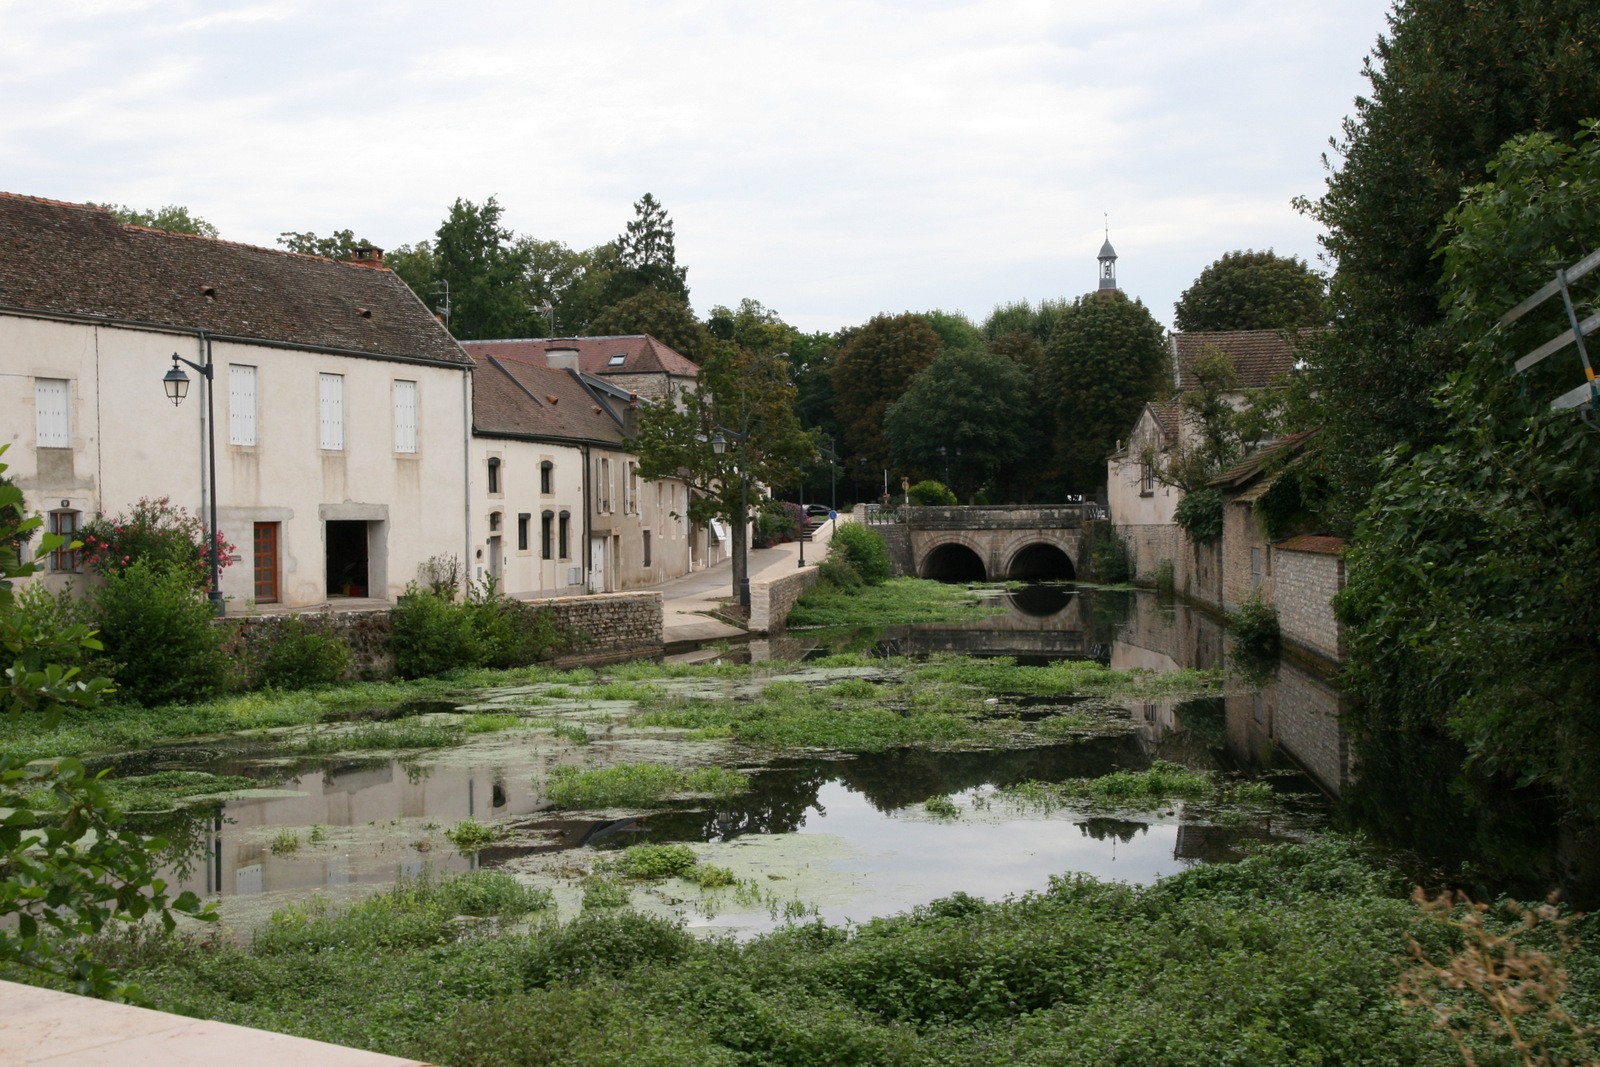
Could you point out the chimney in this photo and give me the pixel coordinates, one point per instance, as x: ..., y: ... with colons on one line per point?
x: 561, y: 355
x: 367, y: 255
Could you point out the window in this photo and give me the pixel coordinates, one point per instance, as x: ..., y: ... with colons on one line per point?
x: 494, y: 474
x: 523, y: 519
x: 605, y: 486
x: 630, y: 495
x: 566, y: 532
x: 1147, y: 479
x: 52, y: 400
x: 494, y: 522
x: 405, y: 416
x: 617, y: 360
x: 647, y: 548
x: 546, y: 541
x: 266, y: 562
x: 241, y: 405
x: 65, y: 558
x: 331, y: 387
x: 547, y: 477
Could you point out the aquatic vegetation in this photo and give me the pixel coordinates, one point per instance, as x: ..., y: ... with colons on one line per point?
x: 379, y: 737
x: 165, y: 790
x: 650, y: 863
x: 603, y: 892
x: 638, y: 785
x: 897, y: 601
x: 571, y: 731
x: 713, y: 877
x: 469, y: 835
x: 941, y: 807
x: 489, y: 722
x: 1154, y: 787
x: 622, y: 690
x: 285, y: 843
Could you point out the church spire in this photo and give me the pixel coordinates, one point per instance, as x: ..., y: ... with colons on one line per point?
x: 1108, y: 265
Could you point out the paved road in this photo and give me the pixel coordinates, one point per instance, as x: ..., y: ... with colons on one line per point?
x: 686, y: 603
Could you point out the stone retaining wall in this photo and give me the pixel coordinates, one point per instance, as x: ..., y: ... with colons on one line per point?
x: 1306, y: 583
x: 609, y: 626
x: 770, y: 601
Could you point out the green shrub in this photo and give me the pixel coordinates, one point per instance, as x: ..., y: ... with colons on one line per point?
x: 650, y: 863
x: 430, y: 634
x: 1109, y: 559
x: 930, y: 494
x: 840, y: 573
x: 154, y: 533
x: 300, y: 657
x: 864, y: 550
x: 1255, y: 627
x: 1200, y: 515
x: 158, y: 633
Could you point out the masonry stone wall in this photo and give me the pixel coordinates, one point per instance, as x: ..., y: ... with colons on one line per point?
x: 1305, y: 585
x: 1246, y: 557
x: 771, y: 601
x: 605, y: 627
x: 1148, y: 545
x: 1306, y: 723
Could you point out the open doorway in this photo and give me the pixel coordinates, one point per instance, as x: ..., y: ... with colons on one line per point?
x: 348, y: 559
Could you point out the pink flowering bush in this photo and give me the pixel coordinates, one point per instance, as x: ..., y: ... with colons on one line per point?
x: 157, y: 534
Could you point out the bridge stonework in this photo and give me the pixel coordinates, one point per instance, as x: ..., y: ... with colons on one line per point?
x: 997, y: 536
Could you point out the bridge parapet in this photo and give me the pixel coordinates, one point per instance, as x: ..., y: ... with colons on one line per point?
x: 1005, y: 517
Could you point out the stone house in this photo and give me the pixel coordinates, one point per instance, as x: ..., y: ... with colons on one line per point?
x: 342, y: 408
x: 635, y: 363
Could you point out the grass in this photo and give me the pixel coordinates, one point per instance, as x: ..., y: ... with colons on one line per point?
x: 286, y: 842
x: 165, y: 790
x: 1154, y: 787
x: 470, y: 835
x: 1290, y: 956
x: 899, y: 601
x: 638, y: 785
x: 492, y: 722
x: 400, y: 735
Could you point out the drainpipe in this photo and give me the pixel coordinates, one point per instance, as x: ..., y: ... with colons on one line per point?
x: 466, y: 471
x: 588, y: 550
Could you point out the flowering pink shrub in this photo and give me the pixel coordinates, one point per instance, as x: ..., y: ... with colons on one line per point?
x: 155, y: 533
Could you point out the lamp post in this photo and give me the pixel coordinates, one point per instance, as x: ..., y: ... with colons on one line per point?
x: 176, y: 383
x: 719, y: 446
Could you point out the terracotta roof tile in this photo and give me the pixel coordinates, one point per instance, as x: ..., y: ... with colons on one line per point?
x: 1168, y: 414
x: 1261, y: 357
x: 641, y: 353
x: 1261, y: 459
x: 519, y: 398
x: 77, y: 260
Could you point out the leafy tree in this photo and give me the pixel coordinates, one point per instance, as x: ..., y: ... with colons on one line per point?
x: 341, y: 244
x: 661, y: 315
x: 1253, y: 291
x: 871, y: 372
x: 740, y: 394
x: 965, y: 414
x: 591, y: 290
x: 1451, y: 82
x: 1473, y: 603
x: 551, y: 273
x: 418, y: 267
x: 1021, y: 315
x: 174, y: 218
x: 1213, y: 442
x: 648, y: 255
x: 1103, y: 362
x: 476, y: 258
x: 955, y: 330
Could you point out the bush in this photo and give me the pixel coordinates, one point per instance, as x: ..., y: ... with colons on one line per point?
x: 430, y: 634
x: 1110, y: 559
x: 930, y: 494
x: 840, y: 573
x: 158, y: 634
x: 154, y: 533
x: 864, y: 550
x: 1200, y: 515
x: 300, y: 657
x: 1255, y: 627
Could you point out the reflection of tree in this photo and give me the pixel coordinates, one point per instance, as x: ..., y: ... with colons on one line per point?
x: 1106, y: 615
x: 186, y: 833
x: 1101, y: 828
x: 893, y: 780
x: 777, y: 803
x: 1205, y: 719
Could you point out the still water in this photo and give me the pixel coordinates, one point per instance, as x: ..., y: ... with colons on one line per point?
x: 844, y: 838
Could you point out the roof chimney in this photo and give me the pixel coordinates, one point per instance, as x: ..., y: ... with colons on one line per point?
x: 367, y: 255
x: 561, y: 355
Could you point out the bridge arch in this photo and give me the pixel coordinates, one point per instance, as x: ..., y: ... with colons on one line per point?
x: 1041, y: 562
x: 953, y: 561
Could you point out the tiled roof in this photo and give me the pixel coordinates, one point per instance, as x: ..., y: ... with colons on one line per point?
x: 1260, y: 460
x: 77, y: 260
x: 1317, y: 543
x: 641, y: 353
x: 518, y: 398
x: 1261, y: 357
x: 1167, y: 414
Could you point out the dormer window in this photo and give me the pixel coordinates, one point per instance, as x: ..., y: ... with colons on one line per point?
x: 618, y: 360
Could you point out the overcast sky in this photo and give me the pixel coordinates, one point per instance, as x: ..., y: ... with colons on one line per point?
x: 831, y: 159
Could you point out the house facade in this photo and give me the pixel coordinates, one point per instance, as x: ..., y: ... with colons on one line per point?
x: 341, y: 408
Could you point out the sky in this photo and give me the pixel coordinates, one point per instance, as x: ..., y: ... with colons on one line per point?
x: 833, y: 159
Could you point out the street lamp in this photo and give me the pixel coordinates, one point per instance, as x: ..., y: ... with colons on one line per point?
x: 176, y: 384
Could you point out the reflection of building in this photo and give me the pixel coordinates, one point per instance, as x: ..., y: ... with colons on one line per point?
x: 1298, y: 714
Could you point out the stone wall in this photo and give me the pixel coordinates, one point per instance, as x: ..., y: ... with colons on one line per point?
x: 1246, y: 557
x: 601, y: 628
x: 1309, y: 572
x: 770, y: 601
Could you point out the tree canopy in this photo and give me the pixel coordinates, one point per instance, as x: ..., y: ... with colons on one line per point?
x: 475, y: 257
x: 661, y: 315
x: 1102, y: 364
x: 1253, y: 291
x: 341, y: 244
x: 871, y: 372
x: 648, y: 255
x: 1451, y: 82
x: 965, y: 419
x: 174, y: 218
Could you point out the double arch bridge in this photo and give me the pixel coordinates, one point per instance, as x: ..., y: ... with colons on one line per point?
x: 1014, y: 543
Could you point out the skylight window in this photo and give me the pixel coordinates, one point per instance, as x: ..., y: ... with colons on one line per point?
x: 618, y: 359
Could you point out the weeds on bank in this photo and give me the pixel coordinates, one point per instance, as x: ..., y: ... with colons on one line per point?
x: 634, y: 785
x: 899, y: 601
x: 470, y: 835
x: 1154, y: 787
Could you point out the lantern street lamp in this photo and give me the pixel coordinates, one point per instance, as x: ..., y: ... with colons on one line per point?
x: 176, y: 384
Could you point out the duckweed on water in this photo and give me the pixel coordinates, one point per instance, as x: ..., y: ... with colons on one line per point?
x: 379, y: 736
x: 638, y: 785
x: 164, y: 790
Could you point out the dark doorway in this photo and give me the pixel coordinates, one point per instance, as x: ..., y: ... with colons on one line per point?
x: 1042, y: 563
x: 953, y: 563
x: 347, y: 558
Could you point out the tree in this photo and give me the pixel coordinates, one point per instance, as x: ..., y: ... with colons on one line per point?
x: 476, y: 259
x: 1473, y: 602
x: 871, y: 372
x: 1020, y: 315
x: 341, y: 244
x: 661, y: 315
x: 1213, y: 442
x: 1103, y: 363
x: 748, y: 399
x: 419, y: 268
x: 1253, y: 291
x: 590, y: 292
x: 648, y: 255
x: 1451, y: 82
x: 962, y: 420
x: 174, y: 218
x: 551, y: 272
x: 955, y: 330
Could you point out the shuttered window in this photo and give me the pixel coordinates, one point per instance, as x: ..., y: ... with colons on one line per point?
x: 405, y: 416
x: 53, y: 398
x: 241, y: 405
x: 332, y: 392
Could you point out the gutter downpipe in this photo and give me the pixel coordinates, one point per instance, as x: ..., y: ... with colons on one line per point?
x: 588, y: 541
x: 466, y: 473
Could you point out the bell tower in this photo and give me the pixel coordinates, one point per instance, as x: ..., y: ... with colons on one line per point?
x: 1108, y: 266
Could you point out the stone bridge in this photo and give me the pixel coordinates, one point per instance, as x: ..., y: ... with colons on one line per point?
x: 1022, y: 542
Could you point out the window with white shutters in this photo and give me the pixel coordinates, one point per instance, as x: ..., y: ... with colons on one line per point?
x: 332, y: 389
x: 241, y: 405
x: 405, y: 416
x: 53, y: 398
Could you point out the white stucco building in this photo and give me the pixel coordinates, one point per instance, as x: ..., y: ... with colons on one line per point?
x: 342, y: 408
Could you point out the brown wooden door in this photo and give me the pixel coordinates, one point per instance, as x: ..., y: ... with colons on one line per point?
x: 266, y: 562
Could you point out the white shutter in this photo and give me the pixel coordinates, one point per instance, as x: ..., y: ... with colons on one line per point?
x: 241, y: 404
x: 405, y: 416
x: 333, y: 412
x: 52, y: 398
